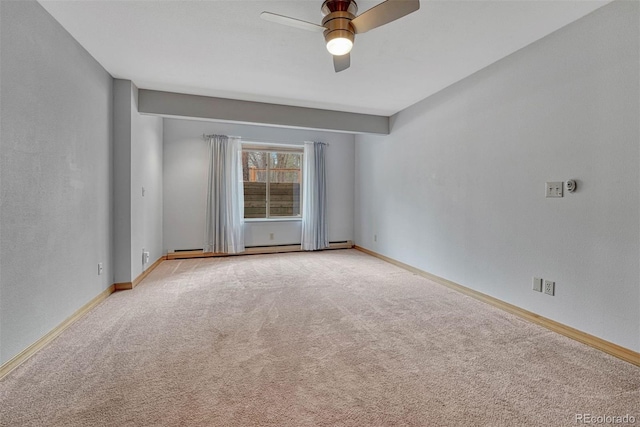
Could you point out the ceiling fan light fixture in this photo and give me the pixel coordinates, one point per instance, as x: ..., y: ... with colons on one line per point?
x: 339, y: 42
x: 339, y: 46
x: 340, y: 24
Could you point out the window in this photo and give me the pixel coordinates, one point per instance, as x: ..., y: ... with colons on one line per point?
x: 272, y: 182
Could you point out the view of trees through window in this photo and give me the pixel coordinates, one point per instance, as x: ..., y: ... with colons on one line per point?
x: 271, y: 183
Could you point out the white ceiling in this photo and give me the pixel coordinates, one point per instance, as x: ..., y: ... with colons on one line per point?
x: 223, y: 48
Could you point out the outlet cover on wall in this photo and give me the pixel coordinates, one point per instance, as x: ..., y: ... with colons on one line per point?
x: 549, y: 287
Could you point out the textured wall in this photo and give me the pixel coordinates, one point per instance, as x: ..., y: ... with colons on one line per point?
x: 122, y: 115
x: 457, y: 189
x: 55, y: 169
x: 185, y: 182
x: 138, y: 164
x: 146, y: 171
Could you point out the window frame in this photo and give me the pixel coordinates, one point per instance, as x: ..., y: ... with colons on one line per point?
x: 276, y: 149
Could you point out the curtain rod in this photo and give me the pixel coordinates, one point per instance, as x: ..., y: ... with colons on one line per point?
x: 204, y: 136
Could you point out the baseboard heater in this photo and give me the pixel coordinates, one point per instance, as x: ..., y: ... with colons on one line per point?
x: 252, y: 250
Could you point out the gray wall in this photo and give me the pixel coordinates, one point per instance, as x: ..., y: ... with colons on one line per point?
x: 122, y: 114
x: 185, y: 182
x: 146, y: 171
x: 137, y: 164
x: 55, y: 160
x: 457, y: 189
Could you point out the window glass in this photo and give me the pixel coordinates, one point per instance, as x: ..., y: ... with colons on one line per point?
x: 272, y: 183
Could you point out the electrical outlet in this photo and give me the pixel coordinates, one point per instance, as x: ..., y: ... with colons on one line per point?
x: 271, y: 236
x: 100, y: 268
x: 145, y: 256
x: 554, y: 189
x: 537, y: 284
x: 375, y: 237
x: 549, y: 287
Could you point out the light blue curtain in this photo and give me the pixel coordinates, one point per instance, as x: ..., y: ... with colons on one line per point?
x: 224, y: 226
x: 314, y: 198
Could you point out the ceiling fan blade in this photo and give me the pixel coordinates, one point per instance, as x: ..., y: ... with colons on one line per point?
x: 385, y: 12
x: 292, y: 22
x: 342, y: 62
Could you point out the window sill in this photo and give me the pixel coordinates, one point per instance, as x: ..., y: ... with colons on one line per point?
x: 253, y: 220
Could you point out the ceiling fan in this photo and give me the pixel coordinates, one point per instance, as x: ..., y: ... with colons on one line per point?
x: 340, y: 23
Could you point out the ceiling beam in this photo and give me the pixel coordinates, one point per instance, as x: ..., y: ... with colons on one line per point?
x: 180, y: 105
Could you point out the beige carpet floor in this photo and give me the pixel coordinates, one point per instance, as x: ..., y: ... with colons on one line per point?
x: 335, y: 338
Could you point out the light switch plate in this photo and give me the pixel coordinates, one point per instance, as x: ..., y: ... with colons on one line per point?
x: 537, y: 284
x: 554, y: 189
